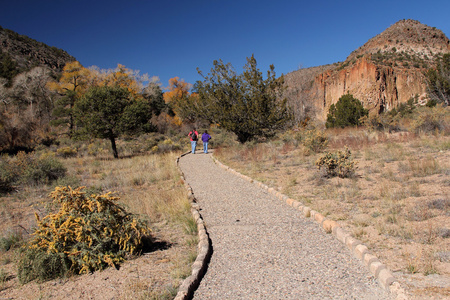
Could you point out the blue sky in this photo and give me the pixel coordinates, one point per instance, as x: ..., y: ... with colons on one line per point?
x: 173, y: 38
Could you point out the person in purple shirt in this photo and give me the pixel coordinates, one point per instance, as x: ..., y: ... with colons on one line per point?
x: 205, y: 139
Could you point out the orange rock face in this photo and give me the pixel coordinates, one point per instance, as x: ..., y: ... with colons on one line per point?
x: 379, y: 88
x: 386, y: 71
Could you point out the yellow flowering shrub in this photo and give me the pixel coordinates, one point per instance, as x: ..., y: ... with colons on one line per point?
x: 88, y: 233
x: 339, y: 163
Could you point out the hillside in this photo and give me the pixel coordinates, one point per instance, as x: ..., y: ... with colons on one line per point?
x: 405, y: 41
x: 384, y: 72
x: 20, y: 53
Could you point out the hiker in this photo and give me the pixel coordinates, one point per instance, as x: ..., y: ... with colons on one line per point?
x: 193, y: 135
x: 205, y: 139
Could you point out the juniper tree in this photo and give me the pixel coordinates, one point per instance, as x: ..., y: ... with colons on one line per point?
x: 246, y: 104
x: 108, y: 112
x: 438, y: 81
x: 346, y: 112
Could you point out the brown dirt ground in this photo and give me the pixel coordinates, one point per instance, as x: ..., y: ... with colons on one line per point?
x: 398, y: 204
x: 149, y: 276
x: 153, y: 275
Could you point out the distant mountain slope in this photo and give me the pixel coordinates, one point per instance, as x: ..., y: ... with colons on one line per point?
x: 26, y: 53
x: 384, y: 72
x: 412, y: 38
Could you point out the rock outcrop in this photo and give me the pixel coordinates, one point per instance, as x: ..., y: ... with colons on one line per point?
x: 384, y: 72
x: 29, y: 53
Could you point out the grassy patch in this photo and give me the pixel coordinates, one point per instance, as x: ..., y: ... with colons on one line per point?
x: 397, y: 199
x: 148, y: 185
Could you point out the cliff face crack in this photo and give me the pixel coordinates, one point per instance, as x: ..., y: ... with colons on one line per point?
x: 395, y: 91
x: 345, y: 83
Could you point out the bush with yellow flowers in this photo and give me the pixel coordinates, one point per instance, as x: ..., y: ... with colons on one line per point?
x: 337, y: 163
x: 88, y: 233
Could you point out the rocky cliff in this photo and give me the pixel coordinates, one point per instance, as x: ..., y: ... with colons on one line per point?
x: 384, y: 72
x: 27, y: 53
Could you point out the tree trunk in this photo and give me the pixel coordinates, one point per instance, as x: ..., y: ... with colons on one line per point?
x: 113, y: 146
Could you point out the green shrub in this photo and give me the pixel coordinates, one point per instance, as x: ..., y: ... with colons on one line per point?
x: 4, y: 277
x: 405, y: 109
x: 339, y: 163
x: 431, y: 103
x: 168, y: 145
x: 95, y: 148
x: 28, y: 169
x: 71, y: 180
x: 41, y: 265
x: 347, y: 112
x: 88, y: 233
x: 11, y: 240
x: 291, y: 136
x: 44, y: 171
x: 9, y: 175
x: 432, y: 120
x: 380, y: 122
x: 438, y: 81
x: 220, y: 137
x: 67, y: 152
x: 315, y: 140
x: 34, y: 170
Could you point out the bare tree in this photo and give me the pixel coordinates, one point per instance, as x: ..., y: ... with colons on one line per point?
x: 30, y: 89
x: 25, y: 109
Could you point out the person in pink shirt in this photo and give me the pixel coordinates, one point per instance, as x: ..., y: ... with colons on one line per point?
x: 193, y: 135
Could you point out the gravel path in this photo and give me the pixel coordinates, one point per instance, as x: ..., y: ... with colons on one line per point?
x: 265, y: 249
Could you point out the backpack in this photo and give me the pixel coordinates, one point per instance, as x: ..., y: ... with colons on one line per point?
x: 193, y: 136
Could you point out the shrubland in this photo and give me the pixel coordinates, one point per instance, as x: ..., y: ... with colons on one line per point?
x: 97, y: 212
x: 384, y: 177
x: 388, y: 188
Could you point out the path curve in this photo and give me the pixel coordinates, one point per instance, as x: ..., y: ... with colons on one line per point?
x: 264, y: 249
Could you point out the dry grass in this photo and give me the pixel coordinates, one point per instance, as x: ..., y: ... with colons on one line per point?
x: 397, y: 204
x: 147, y: 185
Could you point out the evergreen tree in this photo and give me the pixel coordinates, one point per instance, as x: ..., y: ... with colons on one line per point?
x: 8, y: 68
x: 154, y: 95
x: 438, y: 81
x: 347, y: 112
x: 245, y: 104
x: 108, y: 112
x: 72, y: 84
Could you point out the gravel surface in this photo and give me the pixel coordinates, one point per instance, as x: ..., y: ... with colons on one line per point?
x: 265, y: 249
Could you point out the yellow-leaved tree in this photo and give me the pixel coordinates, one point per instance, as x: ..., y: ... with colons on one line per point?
x: 74, y: 82
x: 177, y: 98
x: 124, y: 78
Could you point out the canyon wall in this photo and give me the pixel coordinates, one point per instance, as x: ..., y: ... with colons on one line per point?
x: 386, y: 71
x: 379, y: 88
